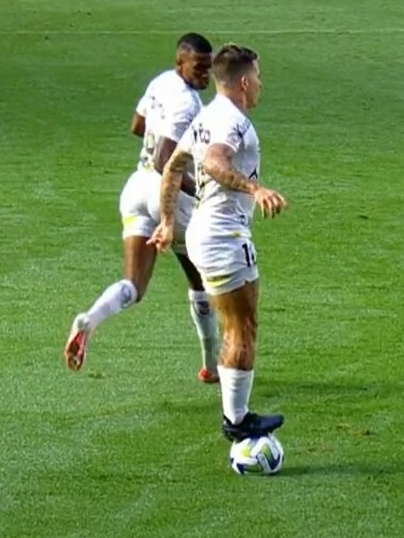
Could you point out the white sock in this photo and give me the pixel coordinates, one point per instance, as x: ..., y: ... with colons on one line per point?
x: 236, y: 388
x: 206, y: 325
x: 118, y: 296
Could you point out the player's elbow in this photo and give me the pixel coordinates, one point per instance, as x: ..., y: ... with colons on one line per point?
x: 162, y: 153
x: 138, y: 125
x: 218, y: 158
x: 137, y: 132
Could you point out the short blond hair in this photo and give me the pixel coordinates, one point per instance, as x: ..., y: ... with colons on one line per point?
x: 231, y: 62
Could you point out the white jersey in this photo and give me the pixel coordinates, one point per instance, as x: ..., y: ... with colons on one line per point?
x: 169, y: 105
x: 220, y: 209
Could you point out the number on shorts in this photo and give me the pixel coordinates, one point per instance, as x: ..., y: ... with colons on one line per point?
x: 250, y: 254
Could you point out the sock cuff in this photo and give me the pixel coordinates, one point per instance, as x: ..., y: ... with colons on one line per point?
x: 197, y: 296
x: 129, y: 292
x: 233, y: 372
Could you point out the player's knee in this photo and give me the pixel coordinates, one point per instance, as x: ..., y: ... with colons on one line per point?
x: 245, y: 329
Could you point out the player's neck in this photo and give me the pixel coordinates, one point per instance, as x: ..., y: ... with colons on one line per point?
x: 178, y: 71
x: 237, y: 98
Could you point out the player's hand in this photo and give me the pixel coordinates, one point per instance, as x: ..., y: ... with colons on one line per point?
x: 162, y: 237
x: 270, y: 202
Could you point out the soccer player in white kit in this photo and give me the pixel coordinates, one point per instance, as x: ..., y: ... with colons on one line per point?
x: 224, y: 146
x: 167, y: 108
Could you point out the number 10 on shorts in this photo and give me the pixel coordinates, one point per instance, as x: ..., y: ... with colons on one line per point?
x: 250, y: 254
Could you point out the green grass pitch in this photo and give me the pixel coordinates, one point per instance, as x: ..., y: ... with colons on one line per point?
x: 131, y: 446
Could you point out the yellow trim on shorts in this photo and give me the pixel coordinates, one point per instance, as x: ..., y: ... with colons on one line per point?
x: 149, y: 167
x: 216, y: 281
x: 130, y: 219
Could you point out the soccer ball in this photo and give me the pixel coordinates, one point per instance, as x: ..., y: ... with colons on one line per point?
x: 257, y: 456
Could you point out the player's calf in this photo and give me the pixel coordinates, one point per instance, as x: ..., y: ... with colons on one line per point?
x: 115, y: 298
x: 237, y: 312
x: 238, y: 347
x: 207, y: 329
x: 139, y: 263
x: 204, y: 319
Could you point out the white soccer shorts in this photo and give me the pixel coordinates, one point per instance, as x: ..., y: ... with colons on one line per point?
x: 225, y: 263
x: 140, y: 208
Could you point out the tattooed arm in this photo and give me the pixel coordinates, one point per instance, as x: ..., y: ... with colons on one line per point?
x: 218, y: 164
x: 171, y: 184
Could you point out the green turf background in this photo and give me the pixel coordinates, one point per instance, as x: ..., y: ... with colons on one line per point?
x: 131, y: 446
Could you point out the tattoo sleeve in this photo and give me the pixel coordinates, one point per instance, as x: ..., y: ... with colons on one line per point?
x: 171, y: 184
x: 218, y: 164
x: 163, y: 151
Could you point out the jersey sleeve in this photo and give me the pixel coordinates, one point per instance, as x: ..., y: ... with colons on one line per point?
x: 178, y: 118
x: 228, y: 131
x: 141, y: 107
x: 186, y: 141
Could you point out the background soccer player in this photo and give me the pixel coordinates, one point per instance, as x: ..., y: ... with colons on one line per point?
x: 167, y: 108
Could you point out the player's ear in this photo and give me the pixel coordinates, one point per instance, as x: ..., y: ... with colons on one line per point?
x: 182, y: 57
x: 244, y: 83
x: 179, y: 59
